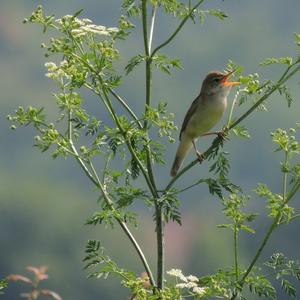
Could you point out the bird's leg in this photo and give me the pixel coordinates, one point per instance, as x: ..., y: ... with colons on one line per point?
x: 221, y: 134
x: 199, y: 155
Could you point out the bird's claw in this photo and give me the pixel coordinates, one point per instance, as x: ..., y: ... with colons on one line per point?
x: 222, y: 135
x: 200, y: 157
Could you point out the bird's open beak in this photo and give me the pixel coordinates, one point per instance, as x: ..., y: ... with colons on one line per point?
x: 226, y: 82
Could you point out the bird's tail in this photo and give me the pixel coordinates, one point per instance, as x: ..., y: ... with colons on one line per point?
x: 182, y: 151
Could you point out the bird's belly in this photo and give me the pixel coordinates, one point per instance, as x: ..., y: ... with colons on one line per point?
x: 203, y: 120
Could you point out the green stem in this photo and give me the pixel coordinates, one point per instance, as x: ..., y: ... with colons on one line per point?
x: 160, y: 245
x: 124, y: 104
x: 172, y: 36
x: 70, y: 133
x: 217, y: 140
x: 189, y: 187
x: 293, y: 190
x: 260, y: 249
x: 105, y: 99
x: 282, y: 80
x: 232, y: 108
x: 284, y: 181
x: 95, y: 179
x: 292, y: 218
x: 121, y: 101
x: 154, y: 10
x: 124, y: 226
x: 286, y: 197
x: 191, y: 164
x: 145, y: 27
x: 128, y: 143
x: 158, y: 206
x: 236, y: 263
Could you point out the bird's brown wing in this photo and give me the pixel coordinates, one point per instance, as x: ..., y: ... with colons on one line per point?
x: 188, y: 115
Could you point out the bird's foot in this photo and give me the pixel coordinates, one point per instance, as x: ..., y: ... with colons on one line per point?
x: 200, y: 157
x: 223, y: 135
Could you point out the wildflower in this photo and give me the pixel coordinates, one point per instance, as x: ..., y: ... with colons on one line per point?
x: 177, y: 273
x: 186, y: 285
x: 192, y: 278
x: 51, y: 66
x: 199, y: 290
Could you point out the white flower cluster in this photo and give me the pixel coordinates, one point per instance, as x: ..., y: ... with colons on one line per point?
x: 56, y: 72
x: 68, y: 18
x: 84, y: 26
x: 188, y: 282
x: 92, y: 28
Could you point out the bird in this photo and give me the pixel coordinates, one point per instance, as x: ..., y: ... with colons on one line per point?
x: 204, y: 113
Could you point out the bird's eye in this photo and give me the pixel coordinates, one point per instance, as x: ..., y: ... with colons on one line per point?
x: 217, y: 79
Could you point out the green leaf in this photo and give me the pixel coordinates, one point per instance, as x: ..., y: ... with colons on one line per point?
x: 241, y: 131
x: 3, y: 285
x: 165, y: 64
x: 78, y: 13
x: 289, y: 288
x: 218, y: 13
x: 131, y: 7
x: 261, y: 286
x: 247, y: 228
x: 269, y: 61
x: 170, y: 207
x: 281, y: 60
x: 133, y: 62
x: 284, y: 91
x: 221, y: 166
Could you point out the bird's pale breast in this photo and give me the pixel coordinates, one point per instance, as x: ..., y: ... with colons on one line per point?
x: 206, y: 116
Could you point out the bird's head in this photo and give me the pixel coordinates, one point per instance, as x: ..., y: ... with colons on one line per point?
x: 217, y: 83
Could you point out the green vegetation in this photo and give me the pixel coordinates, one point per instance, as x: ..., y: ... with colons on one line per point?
x: 84, y: 56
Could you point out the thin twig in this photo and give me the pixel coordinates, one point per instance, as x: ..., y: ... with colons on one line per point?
x: 232, y: 107
x: 145, y: 27
x: 124, y: 227
x: 177, y: 29
x: 286, y: 197
x: 154, y: 10
x: 218, y: 140
x: 124, y: 104
x: 236, y: 263
x: 158, y: 206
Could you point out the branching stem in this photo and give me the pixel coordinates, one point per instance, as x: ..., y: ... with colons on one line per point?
x: 173, y: 35
x: 285, y: 76
x: 124, y: 226
x: 158, y: 206
x: 286, y: 197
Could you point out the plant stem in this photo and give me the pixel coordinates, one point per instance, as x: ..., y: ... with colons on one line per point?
x: 124, y: 227
x: 154, y: 10
x: 282, y: 80
x: 125, y: 105
x: 236, y: 263
x: 276, y: 222
x: 284, y: 181
x: 232, y: 108
x: 145, y: 27
x: 172, y: 36
x: 189, y: 187
x: 129, y: 146
x: 158, y: 206
x: 160, y: 245
x: 95, y: 179
x: 260, y: 249
x: 292, y: 218
x: 293, y: 190
x: 217, y: 140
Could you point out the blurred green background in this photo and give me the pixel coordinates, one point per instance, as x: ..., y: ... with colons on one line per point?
x: 45, y: 202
